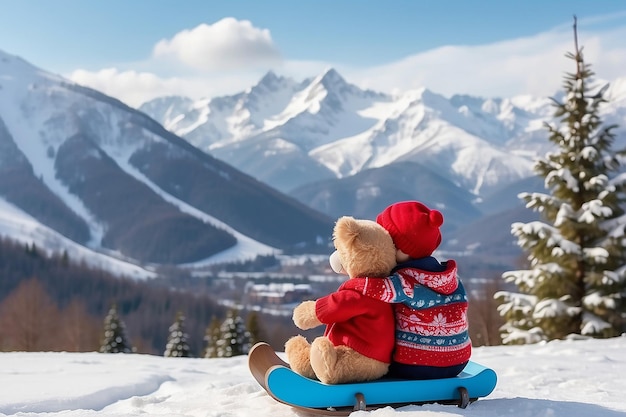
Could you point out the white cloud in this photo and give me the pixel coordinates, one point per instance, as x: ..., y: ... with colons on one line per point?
x: 225, y: 45
x: 135, y: 88
x: 230, y: 56
x: 532, y: 65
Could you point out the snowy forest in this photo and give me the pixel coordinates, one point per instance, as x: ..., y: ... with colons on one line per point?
x: 48, y: 303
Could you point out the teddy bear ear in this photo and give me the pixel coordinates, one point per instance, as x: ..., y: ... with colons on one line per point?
x: 346, y: 229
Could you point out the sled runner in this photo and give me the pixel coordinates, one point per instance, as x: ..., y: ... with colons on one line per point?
x: 288, y: 387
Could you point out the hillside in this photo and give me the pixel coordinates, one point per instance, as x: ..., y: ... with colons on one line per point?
x: 77, y: 298
x: 100, y: 175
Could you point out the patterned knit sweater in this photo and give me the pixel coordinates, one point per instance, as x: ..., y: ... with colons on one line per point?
x: 430, y: 313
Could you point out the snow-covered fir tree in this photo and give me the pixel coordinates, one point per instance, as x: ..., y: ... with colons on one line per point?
x: 235, y: 339
x: 177, y: 345
x: 115, y: 339
x: 576, y: 283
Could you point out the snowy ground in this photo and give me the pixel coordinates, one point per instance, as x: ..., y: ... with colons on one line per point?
x: 557, y: 379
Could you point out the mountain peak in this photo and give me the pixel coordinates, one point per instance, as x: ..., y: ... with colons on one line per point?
x: 330, y: 78
x: 18, y: 72
x: 16, y: 68
x: 332, y: 83
x: 15, y: 64
x: 270, y: 82
x: 332, y: 73
x: 270, y: 78
x: 7, y: 57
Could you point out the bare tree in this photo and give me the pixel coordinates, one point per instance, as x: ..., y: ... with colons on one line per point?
x: 80, y: 332
x: 29, y: 318
x: 484, y: 319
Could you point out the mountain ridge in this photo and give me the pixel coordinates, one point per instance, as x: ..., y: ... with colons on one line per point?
x: 336, y: 129
x: 475, y: 147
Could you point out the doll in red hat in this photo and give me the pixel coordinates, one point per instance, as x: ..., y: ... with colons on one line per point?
x: 430, y: 303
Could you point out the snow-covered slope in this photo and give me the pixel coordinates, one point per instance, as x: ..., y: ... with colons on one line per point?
x: 214, y: 122
x: 20, y: 226
x: 110, y: 179
x: 426, y: 128
x: 556, y: 379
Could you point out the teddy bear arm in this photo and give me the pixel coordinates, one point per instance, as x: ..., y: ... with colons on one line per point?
x: 304, y: 316
x: 342, y: 306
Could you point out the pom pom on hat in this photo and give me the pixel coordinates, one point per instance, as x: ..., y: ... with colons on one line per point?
x: 413, y: 227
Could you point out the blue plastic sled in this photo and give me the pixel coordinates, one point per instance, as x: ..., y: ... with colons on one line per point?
x: 288, y: 387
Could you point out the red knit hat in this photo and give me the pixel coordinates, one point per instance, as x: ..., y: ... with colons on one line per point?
x: 413, y: 227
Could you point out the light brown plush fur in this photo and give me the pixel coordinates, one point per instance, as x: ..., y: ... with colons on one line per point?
x: 365, y: 249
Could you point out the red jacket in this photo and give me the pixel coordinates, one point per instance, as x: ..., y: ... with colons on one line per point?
x: 358, y: 321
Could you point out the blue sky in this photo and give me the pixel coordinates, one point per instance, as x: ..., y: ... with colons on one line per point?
x: 138, y: 49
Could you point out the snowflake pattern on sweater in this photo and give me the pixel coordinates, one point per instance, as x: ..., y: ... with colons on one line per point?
x: 430, y: 314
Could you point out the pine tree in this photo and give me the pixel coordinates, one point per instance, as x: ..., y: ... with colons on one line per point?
x: 177, y: 345
x: 115, y: 339
x: 235, y: 339
x: 576, y: 283
x: 212, y: 336
x: 254, y: 328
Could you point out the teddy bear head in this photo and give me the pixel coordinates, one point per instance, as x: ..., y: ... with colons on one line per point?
x: 363, y: 248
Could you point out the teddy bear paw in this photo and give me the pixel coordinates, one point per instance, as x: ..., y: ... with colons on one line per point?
x: 341, y: 364
x: 298, y: 350
x: 304, y: 316
x: 324, y: 360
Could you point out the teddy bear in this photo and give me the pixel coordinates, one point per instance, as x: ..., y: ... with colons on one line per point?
x: 359, y: 336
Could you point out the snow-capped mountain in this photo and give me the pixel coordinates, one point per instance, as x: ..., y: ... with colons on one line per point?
x: 342, y: 150
x: 89, y: 170
x: 325, y: 128
x: 86, y: 171
x: 280, y: 119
